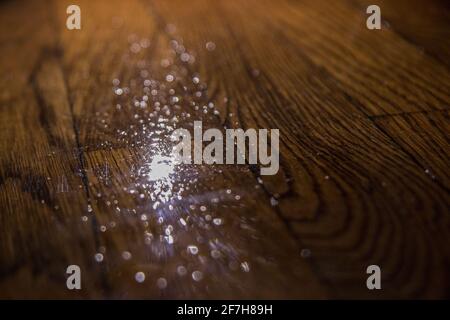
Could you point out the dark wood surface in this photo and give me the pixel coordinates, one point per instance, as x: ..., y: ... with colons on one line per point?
x: 364, y: 138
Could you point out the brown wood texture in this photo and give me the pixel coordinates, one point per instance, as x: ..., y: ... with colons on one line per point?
x: 364, y: 149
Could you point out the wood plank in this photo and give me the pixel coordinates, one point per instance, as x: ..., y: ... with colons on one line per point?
x: 41, y: 191
x: 423, y: 24
x: 425, y: 137
x: 132, y: 134
x: 359, y: 190
x: 335, y: 38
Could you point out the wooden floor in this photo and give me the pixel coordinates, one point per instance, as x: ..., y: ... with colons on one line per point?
x: 364, y: 138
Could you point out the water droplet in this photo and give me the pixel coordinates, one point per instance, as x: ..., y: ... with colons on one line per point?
x: 139, y: 277
x: 169, y: 78
x: 161, y: 283
x: 192, y: 249
x: 165, y: 63
x: 145, y: 43
x: 126, y: 255
x: 210, y: 46
x: 135, y: 47
x: 185, y: 57
x: 305, y: 253
x: 197, y: 275
x: 98, y: 257
x: 273, y: 201
x: 181, y: 270
x: 215, y: 254
x: 169, y: 239
x: 169, y: 229
x: 245, y: 266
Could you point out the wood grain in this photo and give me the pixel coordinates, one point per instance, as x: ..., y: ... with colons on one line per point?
x: 364, y: 149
